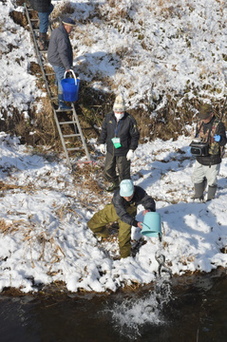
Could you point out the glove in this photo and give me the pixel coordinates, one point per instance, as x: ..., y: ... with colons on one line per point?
x: 217, y: 138
x: 102, y: 148
x: 140, y: 225
x: 130, y: 155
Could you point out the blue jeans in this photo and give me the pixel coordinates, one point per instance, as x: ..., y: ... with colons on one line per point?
x: 59, y: 74
x: 44, y: 20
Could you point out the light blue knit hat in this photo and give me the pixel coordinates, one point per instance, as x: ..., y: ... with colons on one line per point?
x: 126, y: 188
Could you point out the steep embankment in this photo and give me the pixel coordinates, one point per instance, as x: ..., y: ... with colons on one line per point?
x: 164, y: 56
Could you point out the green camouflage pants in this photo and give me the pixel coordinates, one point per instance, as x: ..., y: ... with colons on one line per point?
x: 107, y: 215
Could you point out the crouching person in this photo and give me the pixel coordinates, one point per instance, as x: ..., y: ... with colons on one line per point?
x: 123, y: 210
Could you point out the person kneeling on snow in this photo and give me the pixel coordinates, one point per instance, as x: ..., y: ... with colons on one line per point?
x: 122, y: 210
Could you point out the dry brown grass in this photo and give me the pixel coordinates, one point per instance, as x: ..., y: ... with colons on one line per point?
x: 19, y: 18
x: 62, y: 9
x: 86, y: 175
x: 5, y: 187
x: 168, y: 123
x: 48, y: 245
x: 4, y: 227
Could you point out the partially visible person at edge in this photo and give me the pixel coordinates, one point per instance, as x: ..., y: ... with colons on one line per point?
x: 206, y: 168
x: 122, y: 210
x: 118, y: 140
x: 44, y: 9
x: 60, y: 54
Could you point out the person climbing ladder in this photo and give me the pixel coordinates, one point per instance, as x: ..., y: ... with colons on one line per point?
x: 44, y: 9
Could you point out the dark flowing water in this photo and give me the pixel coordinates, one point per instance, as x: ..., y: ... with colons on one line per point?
x: 181, y: 310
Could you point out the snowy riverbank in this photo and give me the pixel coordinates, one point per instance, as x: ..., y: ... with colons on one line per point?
x: 44, y: 237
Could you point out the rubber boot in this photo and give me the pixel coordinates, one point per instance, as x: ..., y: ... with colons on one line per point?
x: 113, y: 186
x: 211, y: 192
x: 61, y: 103
x: 43, y: 42
x: 199, y: 189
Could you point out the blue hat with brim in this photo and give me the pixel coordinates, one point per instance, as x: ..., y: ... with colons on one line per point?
x: 69, y: 21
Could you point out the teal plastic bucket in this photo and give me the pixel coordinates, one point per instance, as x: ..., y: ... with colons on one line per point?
x: 152, y: 224
x: 70, y: 88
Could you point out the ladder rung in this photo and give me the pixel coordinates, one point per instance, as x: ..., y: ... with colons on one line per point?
x: 63, y: 110
x: 71, y: 135
x: 67, y: 122
x: 74, y: 149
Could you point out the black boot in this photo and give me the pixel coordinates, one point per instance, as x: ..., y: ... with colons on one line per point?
x: 113, y: 186
x: 211, y: 192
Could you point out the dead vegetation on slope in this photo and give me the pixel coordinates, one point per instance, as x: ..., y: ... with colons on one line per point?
x: 154, y: 121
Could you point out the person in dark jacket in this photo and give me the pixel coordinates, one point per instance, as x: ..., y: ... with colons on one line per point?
x: 209, y: 130
x: 123, y: 210
x: 60, y: 54
x: 44, y: 9
x: 118, y: 139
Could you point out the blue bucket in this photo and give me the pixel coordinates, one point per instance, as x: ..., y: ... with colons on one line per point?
x: 152, y: 224
x: 70, y: 88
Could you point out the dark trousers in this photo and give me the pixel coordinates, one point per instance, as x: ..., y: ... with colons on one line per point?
x: 114, y: 164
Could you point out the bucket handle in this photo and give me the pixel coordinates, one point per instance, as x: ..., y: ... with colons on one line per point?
x: 70, y: 70
x: 152, y: 231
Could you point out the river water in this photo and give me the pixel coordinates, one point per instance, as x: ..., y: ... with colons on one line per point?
x: 185, y: 309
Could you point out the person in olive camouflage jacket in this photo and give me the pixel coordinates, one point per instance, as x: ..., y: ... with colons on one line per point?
x: 209, y: 130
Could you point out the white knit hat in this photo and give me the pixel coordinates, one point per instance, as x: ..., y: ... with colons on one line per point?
x: 119, y: 104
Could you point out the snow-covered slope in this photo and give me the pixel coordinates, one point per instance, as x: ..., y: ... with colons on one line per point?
x: 44, y: 237
x: 146, y: 49
x: 149, y: 50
